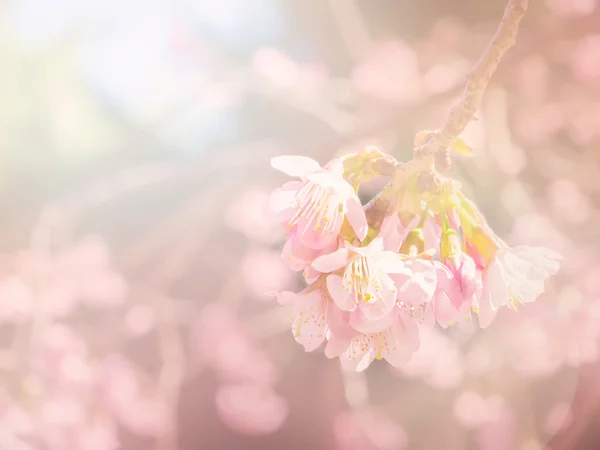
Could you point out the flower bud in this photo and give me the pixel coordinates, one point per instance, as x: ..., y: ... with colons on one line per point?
x: 450, y: 245
x: 482, y: 244
x: 414, y: 243
x: 462, y: 266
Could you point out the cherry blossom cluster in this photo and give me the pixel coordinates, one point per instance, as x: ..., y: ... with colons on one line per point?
x: 431, y: 258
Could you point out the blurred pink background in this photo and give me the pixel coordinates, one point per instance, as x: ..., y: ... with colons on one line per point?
x: 135, y: 139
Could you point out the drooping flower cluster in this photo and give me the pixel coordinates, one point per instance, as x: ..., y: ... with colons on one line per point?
x: 433, y: 258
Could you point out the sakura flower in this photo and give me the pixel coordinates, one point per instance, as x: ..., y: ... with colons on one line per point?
x: 364, y: 282
x: 517, y: 275
x: 299, y: 257
x: 447, y: 302
x: 485, y: 312
x: 392, y: 231
x: 461, y: 265
x: 417, y: 284
x: 316, y: 207
x: 312, y: 308
x: 395, y: 344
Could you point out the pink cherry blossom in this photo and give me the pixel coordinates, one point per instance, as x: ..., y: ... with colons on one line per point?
x: 393, y: 232
x: 396, y: 344
x: 417, y: 284
x: 315, y: 208
x: 432, y: 232
x: 517, y: 275
x: 299, y: 257
x: 312, y: 308
x: 461, y: 265
x: 364, y: 282
x: 484, y: 309
x: 447, y: 302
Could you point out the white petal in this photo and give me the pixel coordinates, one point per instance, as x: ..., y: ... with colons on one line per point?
x: 332, y: 261
x: 295, y: 166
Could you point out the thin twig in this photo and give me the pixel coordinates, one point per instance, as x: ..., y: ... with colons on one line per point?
x: 459, y: 116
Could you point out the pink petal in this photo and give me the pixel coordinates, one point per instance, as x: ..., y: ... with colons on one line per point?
x: 375, y: 247
x: 333, y: 183
x: 310, y: 325
x: 295, y: 166
x: 336, y: 346
x: 358, y: 356
x: 316, y: 238
x: 331, y: 262
x: 468, y: 278
x: 284, y: 198
x: 339, y: 294
x: 494, y: 285
x: 293, y: 257
x: 419, y: 288
x: 486, y: 313
x: 541, y: 259
x: 379, y: 309
x: 443, y: 309
x: 432, y: 232
x: 391, y: 262
x: 310, y: 275
x: 356, y: 217
x: 399, y: 350
x: 339, y: 323
x: 361, y: 323
x: 392, y: 232
x: 411, y: 330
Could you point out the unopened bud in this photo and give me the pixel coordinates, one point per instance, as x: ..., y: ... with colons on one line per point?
x: 414, y: 243
x: 450, y: 245
x: 482, y: 244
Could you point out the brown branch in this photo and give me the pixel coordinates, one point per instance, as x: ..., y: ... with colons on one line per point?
x: 459, y: 116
